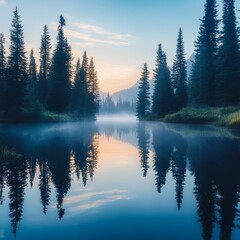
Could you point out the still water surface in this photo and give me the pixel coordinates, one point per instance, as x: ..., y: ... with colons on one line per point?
x: 120, y: 180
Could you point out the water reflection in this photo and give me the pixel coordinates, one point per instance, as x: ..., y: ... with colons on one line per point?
x: 55, y: 153
x: 143, y: 134
x: 213, y: 160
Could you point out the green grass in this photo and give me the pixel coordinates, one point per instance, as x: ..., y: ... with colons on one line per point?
x: 228, y: 116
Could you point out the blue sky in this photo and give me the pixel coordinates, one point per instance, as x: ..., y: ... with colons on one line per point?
x: 120, y: 34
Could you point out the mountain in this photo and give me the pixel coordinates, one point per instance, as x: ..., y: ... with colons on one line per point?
x: 130, y: 94
x: 103, y: 95
x: 189, y: 64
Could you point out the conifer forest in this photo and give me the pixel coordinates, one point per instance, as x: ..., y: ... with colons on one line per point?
x: 120, y: 120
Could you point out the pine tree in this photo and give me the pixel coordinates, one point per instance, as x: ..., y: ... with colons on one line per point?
x: 228, y: 84
x: 179, y: 74
x: 60, y: 87
x: 17, y: 73
x: 32, y: 102
x: 208, y: 53
x: 75, y: 87
x: 44, y: 65
x: 143, y: 98
x: 93, y: 90
x: 82, y: 94
x: 203, y: 76
x: 2, y: 73
x: 163, y: 93
x: 193, y: 86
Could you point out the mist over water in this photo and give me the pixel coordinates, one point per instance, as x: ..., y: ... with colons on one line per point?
x: 116, y: 118
x: 119, y: 179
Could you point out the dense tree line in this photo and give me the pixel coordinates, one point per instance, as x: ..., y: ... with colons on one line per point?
x: 28, y: 92
x: 109, y: 106
x: 214, y: 80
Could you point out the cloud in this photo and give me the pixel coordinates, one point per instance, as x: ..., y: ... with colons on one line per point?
x: 98, y: 203
x: 91, y: 200
x: 92, y: 29
x: 89, y: 35
x: 2, y: 2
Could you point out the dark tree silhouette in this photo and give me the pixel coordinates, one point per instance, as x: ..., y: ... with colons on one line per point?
x: 60, y: 73
x: 93, y: 90
x: 31, y: 98
x: 202, y: 165
x: 75, y: 98
x: 17, y: 70
x: 163, y: 147
x: 80, y: 88
x: 228, y: 83
x: 227, y: 181
x: 179, y: 167
x: 206, y: 50
x: 32, y: 167
x: 85, y: 152
x: 143, y: 98
x: 143, y: 136
x: 179, y: 75
x: 162, y: 100
x: 16, y: 179
x: 2, y: 74
x: 44, y: 68
x: 44, y: 184
x: 59, y: 166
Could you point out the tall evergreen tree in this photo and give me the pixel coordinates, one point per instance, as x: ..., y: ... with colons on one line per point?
x: 194, y: 80
x: 2, y: 73
x: 81, y: 88
x: 60, y: 73
x: 75, y: 87
x: 179, y: 74
x: 228, y: 84
x: 93, y: 90
x: 32, y: 102
x: 163, y: 92
x: 208, y: 53
x: 203, y: 75
x: 44, y: 65
x: 143, y: 98
x: 17, y: 70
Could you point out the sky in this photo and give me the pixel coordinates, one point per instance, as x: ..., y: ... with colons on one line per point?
x: 121, y: 35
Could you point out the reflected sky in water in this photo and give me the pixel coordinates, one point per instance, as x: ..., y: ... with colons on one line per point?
x: 120, y: 180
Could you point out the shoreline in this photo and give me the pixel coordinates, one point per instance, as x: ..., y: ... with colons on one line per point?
x: 228, y: 117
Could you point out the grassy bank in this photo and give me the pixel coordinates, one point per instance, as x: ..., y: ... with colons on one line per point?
x: 46, y: 116
x: 227, y: 116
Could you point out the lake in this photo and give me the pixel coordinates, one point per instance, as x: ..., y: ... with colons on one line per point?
x: 115, y: 180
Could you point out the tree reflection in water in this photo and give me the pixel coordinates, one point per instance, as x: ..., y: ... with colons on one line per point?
x: 58, y: 152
